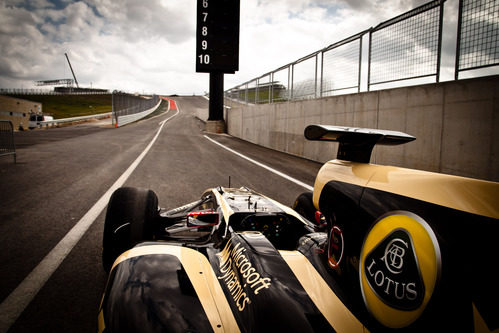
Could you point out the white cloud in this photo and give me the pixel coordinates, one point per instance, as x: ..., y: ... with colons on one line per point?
x: 114, y: 45
x: 150, y: 45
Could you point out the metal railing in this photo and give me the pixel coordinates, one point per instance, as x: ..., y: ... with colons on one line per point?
x: 402, y: 50
x: 478, y: 35
x: 407, y: 46
x: 7, y: 146
x: 74, y: 119
x: 341, y: 66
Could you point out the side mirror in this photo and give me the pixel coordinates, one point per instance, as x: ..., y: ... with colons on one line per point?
x: 204, y: 218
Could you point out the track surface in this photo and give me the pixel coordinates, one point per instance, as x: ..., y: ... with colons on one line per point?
x: 62, y: 172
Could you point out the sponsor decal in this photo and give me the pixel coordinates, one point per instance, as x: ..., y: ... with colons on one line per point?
x: 392, y: 272
x: 239, y: 276
x: 336, y: 245
x: 399, y: 268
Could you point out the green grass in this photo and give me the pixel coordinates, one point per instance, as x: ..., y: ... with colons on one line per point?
x: 66, y: 106
x: 263, y: 96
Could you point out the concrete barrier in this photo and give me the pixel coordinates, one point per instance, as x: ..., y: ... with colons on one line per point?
x: 456, y: 125
x: 130, y: 118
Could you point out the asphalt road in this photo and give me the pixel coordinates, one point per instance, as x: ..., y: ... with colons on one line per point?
x: 61, y: 173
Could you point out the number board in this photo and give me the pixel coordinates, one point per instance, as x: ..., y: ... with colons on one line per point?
x: 217, y: 36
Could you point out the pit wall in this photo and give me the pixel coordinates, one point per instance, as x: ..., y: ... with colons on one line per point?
x: 456, y: 125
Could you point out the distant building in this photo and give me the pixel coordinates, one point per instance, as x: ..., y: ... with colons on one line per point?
x: 72, y: 90
x: 18, y: 111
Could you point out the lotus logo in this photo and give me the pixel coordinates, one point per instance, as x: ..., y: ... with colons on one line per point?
x: 399, y: 268
x: 394, y: 255
x: 392, y: 272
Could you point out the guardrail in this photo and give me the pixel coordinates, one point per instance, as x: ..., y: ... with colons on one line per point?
x: 7, y: 146
x: 73, y: 119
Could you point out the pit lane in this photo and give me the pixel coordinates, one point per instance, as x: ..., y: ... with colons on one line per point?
x: 61, y: 173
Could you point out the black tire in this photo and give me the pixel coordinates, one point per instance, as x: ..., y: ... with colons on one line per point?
x: 131, y: 217
x: 304, y: 205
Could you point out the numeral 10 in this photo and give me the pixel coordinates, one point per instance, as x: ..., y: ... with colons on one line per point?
x: 204, y: 59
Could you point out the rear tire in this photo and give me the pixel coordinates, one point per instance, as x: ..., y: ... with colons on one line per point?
x: 131, y: 217
x: 304, y: 205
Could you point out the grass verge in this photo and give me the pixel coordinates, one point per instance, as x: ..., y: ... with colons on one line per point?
x: 66, y: 106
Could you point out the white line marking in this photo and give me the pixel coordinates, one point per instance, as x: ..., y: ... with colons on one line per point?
x: 225, y: 106
x: 283, y: 175
x: 12, y: 307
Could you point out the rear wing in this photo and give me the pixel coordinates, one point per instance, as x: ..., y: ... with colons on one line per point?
x: 356, y: 144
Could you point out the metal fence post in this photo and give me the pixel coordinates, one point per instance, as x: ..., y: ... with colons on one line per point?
x: 360, y: 63
x: 246, y: 94
x: 270, y: 87
x: 369, y: 62
x: 322, y: 74
x: 315, y: 75
x: 271, y: 97
x: 458, y: 43
x: 439, y: 47
x: 256, y: 92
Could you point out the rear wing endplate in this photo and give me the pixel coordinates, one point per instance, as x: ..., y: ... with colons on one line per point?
x: 356, y: 144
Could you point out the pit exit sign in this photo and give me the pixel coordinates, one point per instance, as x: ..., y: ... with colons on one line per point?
x: 217, y: 36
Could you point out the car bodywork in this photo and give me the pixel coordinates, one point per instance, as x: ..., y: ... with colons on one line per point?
x: 393, y: 248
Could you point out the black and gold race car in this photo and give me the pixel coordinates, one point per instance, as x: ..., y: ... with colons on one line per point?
x: 373, y: 248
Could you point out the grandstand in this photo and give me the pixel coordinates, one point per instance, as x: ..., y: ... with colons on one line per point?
x: 68, y: 87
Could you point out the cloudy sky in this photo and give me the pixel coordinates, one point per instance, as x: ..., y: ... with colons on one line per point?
x: 149, y: 45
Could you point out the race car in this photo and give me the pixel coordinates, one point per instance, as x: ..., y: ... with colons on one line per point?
x: 373, y: 248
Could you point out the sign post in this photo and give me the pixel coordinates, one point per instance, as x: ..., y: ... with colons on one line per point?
x: 217, y: 51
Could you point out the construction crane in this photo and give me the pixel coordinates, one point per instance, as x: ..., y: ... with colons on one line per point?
x: 71, y: 67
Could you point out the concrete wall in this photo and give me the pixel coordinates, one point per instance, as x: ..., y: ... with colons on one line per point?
x: 456, y: 125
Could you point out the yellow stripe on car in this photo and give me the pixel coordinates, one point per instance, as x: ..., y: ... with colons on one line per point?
x: 203, y: 279
x: 209, y: 291
x: 226, y: 210
x: 333, y: 309
x: 465, y: 194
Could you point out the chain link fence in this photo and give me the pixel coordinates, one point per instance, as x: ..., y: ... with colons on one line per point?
x: 403, y: 49
x: 341, y: 66
x: 7, y: 146
x: 478, y: 35
x: 407, y: 46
